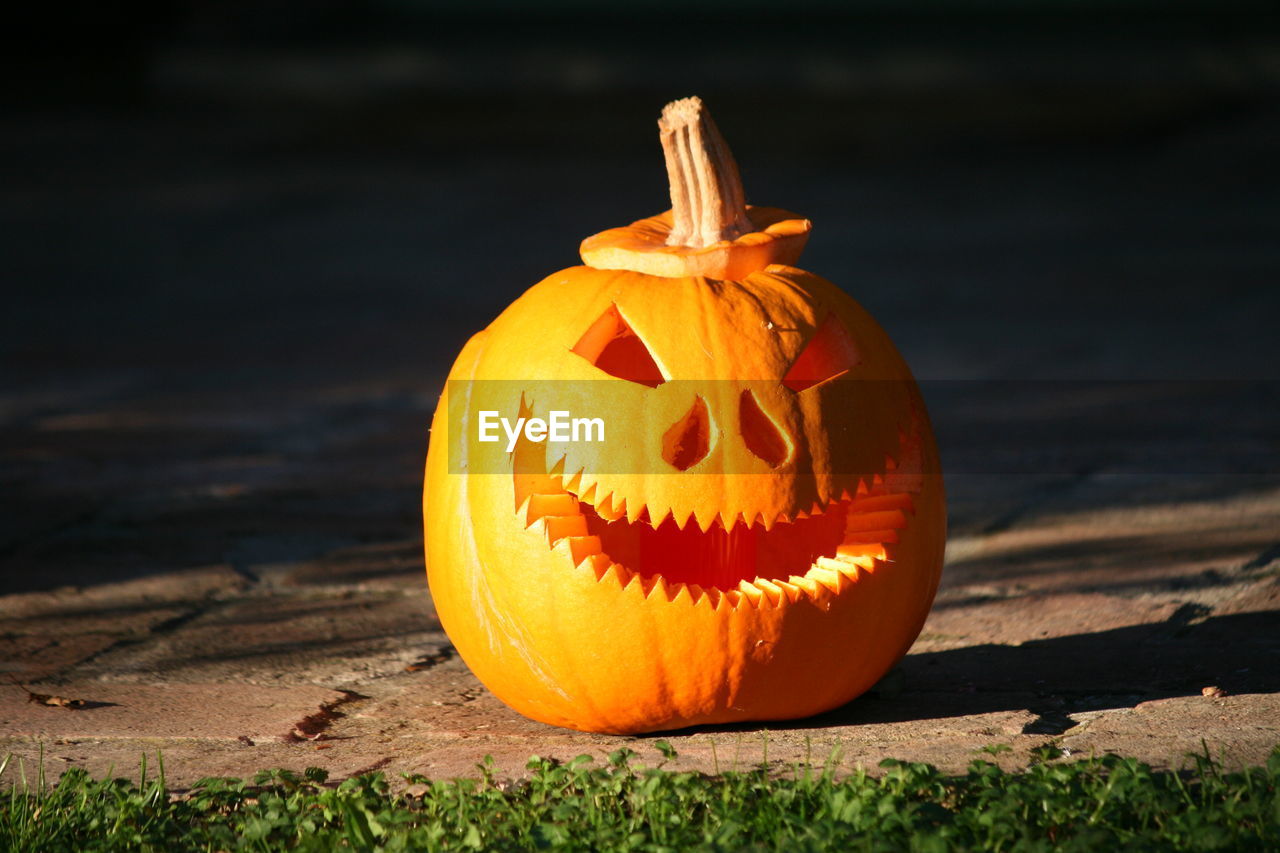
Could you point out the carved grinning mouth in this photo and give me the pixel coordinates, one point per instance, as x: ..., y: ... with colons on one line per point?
x: 815, y: 555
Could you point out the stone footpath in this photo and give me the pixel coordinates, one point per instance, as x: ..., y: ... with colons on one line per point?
x: 1094, y: 631
x: 217, y: 381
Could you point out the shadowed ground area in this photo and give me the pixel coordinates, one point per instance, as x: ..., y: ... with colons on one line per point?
x: 235, y: 313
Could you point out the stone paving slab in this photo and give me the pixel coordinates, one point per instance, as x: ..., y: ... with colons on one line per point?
x: 108, y: 597
x: 34, y: 656
x: 1234, y: 729
x: 47, y: 632
x: 199, y: 664
x: 383, y: 567
x: 165, y: 712
x: 1087, y: 542
x: 1006, y: 680
x: 328, y: 639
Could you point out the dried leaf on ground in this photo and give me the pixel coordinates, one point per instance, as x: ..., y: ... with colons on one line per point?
x: 51, y: 700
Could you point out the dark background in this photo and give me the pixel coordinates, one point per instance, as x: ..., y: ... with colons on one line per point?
x: 242, y: 241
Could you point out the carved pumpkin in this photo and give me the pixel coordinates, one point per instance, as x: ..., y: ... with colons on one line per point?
x: 761, y: 537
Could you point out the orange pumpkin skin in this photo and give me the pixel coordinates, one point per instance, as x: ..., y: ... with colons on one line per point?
x: 760, y: 537
x: 564, y: 634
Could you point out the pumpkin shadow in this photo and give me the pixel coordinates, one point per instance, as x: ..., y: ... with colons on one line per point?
x: 1057, y: 677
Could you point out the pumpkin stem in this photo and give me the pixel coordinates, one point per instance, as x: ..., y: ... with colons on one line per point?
x: 707, y: 203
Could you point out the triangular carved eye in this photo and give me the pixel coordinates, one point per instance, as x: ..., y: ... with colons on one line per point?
x: 611, y: 345
x: 829, y: 353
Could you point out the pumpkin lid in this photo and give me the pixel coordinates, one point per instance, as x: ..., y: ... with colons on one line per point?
x: 710, y: 230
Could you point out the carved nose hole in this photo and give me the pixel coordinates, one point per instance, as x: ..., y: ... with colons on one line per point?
x: 762, y: 436
x: 689, y: 439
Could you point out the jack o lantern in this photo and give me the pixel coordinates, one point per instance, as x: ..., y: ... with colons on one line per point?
x: 760, y: 538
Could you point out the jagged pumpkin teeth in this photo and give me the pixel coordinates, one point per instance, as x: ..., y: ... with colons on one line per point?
x: 793, y: 593
x: 829, y: 578
x: 682, y: 595
x: 771, y: 594
x: 609, y: 511
x: 657, y: 587
x: 635, y: 513
x: 749, y: 593
x: 598, y: 563
x: 762, y: 536
x: 555, y: 504
x: 714, y: 597
x: 847, y: 568
x: 808, y: 586
x: 583, y: 547
x: 609, y: 573
x: 706, y: 518
x: 564, y: 526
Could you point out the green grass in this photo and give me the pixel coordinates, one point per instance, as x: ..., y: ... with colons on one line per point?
x: 1095, y: 804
